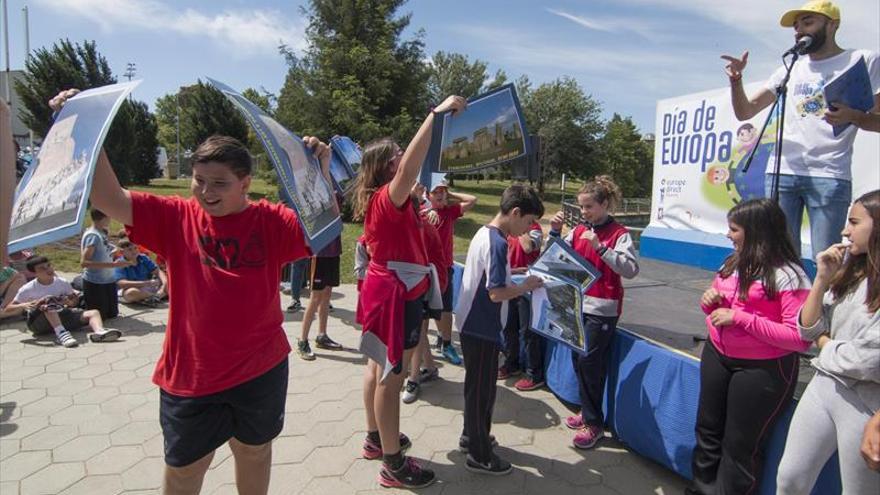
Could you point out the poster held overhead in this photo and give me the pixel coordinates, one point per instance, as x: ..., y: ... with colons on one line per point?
x: 344, y: 163
x: 51, y: 198
x: 299, y: 172
x: 491, y: 132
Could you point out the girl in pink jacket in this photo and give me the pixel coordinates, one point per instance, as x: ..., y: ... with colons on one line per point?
x: 749, y: 366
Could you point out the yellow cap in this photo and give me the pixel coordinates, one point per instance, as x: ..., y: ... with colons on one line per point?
x: 823, y: 7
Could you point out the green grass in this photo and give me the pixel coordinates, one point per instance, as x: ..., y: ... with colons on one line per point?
x: 65, y: 254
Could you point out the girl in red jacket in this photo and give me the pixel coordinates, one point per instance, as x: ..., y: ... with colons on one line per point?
x: 608, y: 246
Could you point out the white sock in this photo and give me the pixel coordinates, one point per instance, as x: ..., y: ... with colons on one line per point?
x: 58, y: 329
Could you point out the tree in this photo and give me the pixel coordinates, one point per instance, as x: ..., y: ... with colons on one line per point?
x: 48, y: 71
x: 131, y: 140
x: 454, y: 74
x: 568, y: 122
x: 625, y: 157
x: 357, y: 76
x: 204, y: 111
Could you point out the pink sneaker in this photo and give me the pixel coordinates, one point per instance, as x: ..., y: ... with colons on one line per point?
x: 587, y: 437
x: 575, y: 422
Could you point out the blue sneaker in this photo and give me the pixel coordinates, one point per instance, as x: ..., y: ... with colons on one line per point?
x: 450, y: 355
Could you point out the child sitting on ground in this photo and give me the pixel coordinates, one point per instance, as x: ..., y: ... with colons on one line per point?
x: 51, y: 305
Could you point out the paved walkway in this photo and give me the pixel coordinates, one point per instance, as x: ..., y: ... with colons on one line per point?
x: 85, y: 421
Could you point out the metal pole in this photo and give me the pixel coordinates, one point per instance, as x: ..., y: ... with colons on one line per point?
x: 6, y: 49
x: 27, y: 57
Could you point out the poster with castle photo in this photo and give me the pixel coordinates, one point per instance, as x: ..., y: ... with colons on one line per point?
x: 303, y: 185
x: 490, y: 132
x: 51, y: 198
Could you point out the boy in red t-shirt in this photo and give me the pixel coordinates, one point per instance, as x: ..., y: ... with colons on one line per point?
x: 223, y: 371
x: 446, y: 208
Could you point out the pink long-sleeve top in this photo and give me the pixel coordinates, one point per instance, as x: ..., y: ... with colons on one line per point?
x: 762, y: 328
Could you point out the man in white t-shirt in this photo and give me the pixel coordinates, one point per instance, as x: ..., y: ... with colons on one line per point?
x: 816, y: 166
x: 51, y: 302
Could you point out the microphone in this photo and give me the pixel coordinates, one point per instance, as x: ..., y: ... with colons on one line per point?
x: 801, y: 46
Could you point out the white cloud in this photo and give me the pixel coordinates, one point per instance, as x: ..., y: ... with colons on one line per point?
x: 242, y: 32
x: 583, y: 21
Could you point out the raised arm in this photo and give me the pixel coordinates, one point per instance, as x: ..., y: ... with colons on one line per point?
x: 466, y: 201
x: 414, y: 157
x: 107, y: 195
x: 744, y: 107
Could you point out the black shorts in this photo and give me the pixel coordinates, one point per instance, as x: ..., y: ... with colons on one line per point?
x: 447, y: 294
x: 251, y: 412
x: 413, y: 315
x: 325, y: 273
x: 71, y: 319
x: 102, y: 297
x: 431, y: 313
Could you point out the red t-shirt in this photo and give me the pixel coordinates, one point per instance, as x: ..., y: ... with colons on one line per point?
x: 517, y: 256
x: 224, y: 317
x: 448, y: 215
x: 395, y: 234
x: 435, y: 254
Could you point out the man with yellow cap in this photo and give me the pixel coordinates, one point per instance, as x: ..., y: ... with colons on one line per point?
x: 815, y: 170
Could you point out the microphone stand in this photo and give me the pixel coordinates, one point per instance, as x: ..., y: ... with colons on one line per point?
x: 779, y: 108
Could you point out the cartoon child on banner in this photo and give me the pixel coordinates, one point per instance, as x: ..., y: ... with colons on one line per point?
x: 726, y: 184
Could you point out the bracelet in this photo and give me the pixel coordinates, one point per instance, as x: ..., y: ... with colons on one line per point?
x: 735, y: 79
x: 602, y: 250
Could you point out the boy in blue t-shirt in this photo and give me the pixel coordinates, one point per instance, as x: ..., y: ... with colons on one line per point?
x: 141, y: 282
x: 99, y: 274
x: 480, y: 316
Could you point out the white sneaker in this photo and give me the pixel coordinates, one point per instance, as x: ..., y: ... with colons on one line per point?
x: 410, y: 392
x: 65, y: 339
x: 108, y: 335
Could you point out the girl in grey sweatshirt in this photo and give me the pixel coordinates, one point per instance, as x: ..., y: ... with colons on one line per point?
x: 842, y: 316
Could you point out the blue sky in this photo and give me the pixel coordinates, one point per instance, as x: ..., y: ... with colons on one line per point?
x: 626, y: 53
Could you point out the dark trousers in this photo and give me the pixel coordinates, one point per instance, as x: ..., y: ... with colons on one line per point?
x: 740, y: 400
x: 592, y: 368
x: 480, y: 375
x: 518, y: 326
x: 102, y: 297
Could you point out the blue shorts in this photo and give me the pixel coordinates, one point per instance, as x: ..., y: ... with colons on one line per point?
x: 251, y: 412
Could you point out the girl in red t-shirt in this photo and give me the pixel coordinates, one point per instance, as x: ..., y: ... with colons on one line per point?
x: 391, y: 309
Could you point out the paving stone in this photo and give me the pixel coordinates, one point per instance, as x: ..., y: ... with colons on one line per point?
x: 66, y: 365
x: 9, y: 386
x: 145, y: 475
x: 110, y: 484
x: 70, y: 388
x: 115, y: 460
x: 90, y: 371
x: 21, y: 427
x: 122, y: 404
x: 23, y: 396
x: 53, y: 478
x: 95, y: 395
x: 48, y: 438
x: 46, y: 406
x: 102, y: 423
x: 23, y: 464
x: 81, y: 448
x: 330, y: 461
x: 75, y: 414
x: 8, y: 447
x: 10, y: 487
x: 135, y: 433
x: 290, y: 450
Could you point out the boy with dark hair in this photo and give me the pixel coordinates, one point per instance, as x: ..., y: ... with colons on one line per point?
x: 224, y: 369
x: 480, y: 316
x: 51, y: 306
x: 99, y: 269
x: 142, y: 281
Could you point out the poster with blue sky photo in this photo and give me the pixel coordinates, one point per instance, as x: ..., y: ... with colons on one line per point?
x: 345, y: 161
x: 303, y: 185
x: 490, y: 132
x: 51, y: 199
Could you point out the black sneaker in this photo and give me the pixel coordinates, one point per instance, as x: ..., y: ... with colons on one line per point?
x: 464, y: 443
x: 495, y: 467
x: 409, y: 475
x: 427, y: 375
x: 323, y: 341
x: 304, y: 350
x: 295, y: 307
